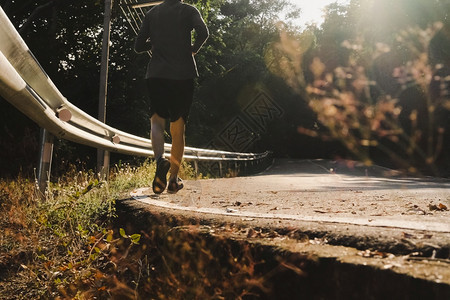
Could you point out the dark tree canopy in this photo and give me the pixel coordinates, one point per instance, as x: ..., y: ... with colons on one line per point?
x: 241, y: 62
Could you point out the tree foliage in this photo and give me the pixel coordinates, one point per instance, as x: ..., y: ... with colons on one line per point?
x: 244, y: 57
x: 382, y: 55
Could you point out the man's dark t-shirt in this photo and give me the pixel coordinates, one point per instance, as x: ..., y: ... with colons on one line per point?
x: 166, y: 31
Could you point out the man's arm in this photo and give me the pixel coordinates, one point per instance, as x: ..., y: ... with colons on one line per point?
x: 202, y: 31
x: 142, y: 42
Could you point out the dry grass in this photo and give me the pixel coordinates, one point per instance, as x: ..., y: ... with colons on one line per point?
x: 71, y: 246
x: 56, y: 246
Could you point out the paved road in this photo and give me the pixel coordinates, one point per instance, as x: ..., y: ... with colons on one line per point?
x: 318, y: 191
x: 340, y: 210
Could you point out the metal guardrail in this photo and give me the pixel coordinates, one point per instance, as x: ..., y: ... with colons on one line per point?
x: 24, y: 83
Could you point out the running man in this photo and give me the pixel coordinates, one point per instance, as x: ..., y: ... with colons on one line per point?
x: 167, y: 32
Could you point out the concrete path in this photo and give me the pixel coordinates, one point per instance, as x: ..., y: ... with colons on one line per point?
x: 318, y: 191
x: 343, y: 211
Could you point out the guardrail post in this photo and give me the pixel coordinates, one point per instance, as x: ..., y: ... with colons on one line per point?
x: 221, y: 166
x: 45, y: 159
x: 102, y: 155
x: 196, y: 168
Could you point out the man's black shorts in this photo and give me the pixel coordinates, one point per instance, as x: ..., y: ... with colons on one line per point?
x: 170, y: 98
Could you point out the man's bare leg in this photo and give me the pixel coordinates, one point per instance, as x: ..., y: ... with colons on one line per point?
x: 176, y: 154
x: 162, y: 165
x: 157, y: 135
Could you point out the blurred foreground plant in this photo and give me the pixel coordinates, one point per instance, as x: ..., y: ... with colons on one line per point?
x: 382, y: 103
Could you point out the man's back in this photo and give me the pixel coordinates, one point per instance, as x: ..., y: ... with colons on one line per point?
x: 168, y: 28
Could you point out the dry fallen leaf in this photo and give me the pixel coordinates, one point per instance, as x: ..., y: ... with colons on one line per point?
x: 407, y: 235
x: 375, y: 254
x: 440, y: 207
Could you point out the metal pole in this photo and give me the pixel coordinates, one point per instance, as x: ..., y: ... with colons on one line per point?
x: 102, y: 155
x: 45, y: 159
x: 196, y: 168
